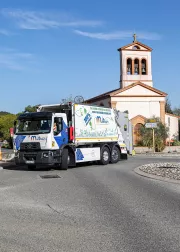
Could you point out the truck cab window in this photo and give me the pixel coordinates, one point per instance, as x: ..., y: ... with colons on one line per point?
x: 58, y: 125
x: 45, y: 125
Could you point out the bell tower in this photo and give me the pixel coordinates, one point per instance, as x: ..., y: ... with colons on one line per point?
x: 135, y: 64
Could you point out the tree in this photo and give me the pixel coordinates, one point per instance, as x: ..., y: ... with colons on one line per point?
x: 161, y: 134
x: 30, y: 108
x: 6, y: 122
x: 176, y: 111
x: 4, y: 113
x: 168, y: 108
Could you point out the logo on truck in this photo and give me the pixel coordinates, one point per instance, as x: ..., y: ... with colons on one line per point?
x: 101, y: 120
x: 87, y: 118
x: 38, y: 138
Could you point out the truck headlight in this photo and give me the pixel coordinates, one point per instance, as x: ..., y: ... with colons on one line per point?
x: 47, y: 154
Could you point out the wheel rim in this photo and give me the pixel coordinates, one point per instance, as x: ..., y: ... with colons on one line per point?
x: 105, y: 155
x: 115, y: 155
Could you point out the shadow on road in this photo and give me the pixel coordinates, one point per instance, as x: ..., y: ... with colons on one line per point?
x: 11, y: 166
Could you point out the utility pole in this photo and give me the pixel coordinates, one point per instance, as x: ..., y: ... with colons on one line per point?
x: 152, y: 125
x: 153, y: 140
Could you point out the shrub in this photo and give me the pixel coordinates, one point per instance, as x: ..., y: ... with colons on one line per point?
x: 160, y: 133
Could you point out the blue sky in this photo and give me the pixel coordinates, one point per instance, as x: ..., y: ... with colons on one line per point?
x: 52, y: 49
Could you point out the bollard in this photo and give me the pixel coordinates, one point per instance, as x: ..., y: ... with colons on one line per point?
x: 133, y: 153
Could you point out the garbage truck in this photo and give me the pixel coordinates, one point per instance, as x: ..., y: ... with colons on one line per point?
x: 63, y: 135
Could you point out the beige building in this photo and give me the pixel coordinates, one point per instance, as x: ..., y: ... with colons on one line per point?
x: 136, y: 93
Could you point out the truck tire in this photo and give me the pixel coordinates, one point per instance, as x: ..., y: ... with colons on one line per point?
x: 115, y: 155
x: 105, y: 156
x: 31, y: 167
x: 64, y: 159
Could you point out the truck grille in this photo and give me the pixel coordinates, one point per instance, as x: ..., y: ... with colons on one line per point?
x: 30, y: 156
x: 30, y: 146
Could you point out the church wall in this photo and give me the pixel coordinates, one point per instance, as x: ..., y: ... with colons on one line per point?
x: 137, y: 99
x: 172, y: 123
x: 140, y: 47
x: 140, y: 102
x: 138, y: 90
x: 147, y: 109
x: 127, y: 83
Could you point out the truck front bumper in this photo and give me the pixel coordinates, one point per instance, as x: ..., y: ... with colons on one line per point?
x: 38, y: 157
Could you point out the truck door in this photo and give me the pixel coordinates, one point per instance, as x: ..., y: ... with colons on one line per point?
x: 60, y: 131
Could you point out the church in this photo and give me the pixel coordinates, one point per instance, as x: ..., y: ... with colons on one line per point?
x: 136, y: 93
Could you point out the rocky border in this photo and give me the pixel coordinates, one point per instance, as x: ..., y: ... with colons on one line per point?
x: 167, y: 172
x: 176, y: 155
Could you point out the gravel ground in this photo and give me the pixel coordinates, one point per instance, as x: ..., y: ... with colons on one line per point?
x: 166, y: 170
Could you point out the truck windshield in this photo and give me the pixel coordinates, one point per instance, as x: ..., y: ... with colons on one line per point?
x: 33, y: 126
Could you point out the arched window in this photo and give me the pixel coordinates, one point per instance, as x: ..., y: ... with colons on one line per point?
x: 101, y: 104
x: 136, y: 47
x: 136, y: 66
x: 129, y: 66
x: 143, y: 67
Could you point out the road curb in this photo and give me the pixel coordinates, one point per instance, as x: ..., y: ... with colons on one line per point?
x: 147, y: 175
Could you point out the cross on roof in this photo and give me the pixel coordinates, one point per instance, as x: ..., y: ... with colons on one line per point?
x: 134, y: 36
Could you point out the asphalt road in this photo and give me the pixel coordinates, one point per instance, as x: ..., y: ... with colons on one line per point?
x: 89, y: 208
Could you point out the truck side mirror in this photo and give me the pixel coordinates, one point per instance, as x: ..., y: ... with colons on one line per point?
x: 14, y: 129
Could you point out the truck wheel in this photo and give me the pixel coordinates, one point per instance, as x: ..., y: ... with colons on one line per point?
x: 31, y: 167
x: 64, y: 160
x: 115, y: 155
x: 105, y: 156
